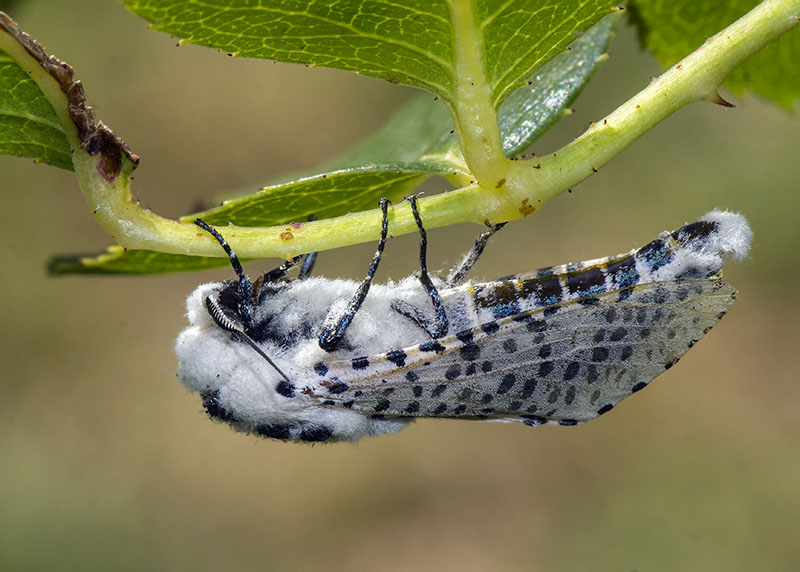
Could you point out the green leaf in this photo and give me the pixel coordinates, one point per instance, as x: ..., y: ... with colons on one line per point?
x: 321, y: 196
x: 118, y: 260
x: 422, y: 130
x: 28, y: 125
x: 674, y: 29
x: 406, y: 42
x: 534, y: 108
x: 521, y: 35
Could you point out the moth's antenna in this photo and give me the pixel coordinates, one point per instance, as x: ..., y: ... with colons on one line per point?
x: 227, y: 324
x: 245, y: 286
x: 237, y: 266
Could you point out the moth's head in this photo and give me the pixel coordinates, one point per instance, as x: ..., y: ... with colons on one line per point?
x: 238, y: 386
x: 235, y: 376
x: 224, y: 303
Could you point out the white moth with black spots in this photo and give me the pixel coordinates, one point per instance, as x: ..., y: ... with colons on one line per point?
x: 305, y: 359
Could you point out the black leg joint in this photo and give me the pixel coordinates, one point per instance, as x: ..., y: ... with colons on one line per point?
x: 331, y: 336
x: 442, y: 323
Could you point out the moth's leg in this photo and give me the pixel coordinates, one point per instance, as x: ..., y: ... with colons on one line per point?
x: 439, y: 328
x: 308, y: 261
x: 259, y: 292
x: 245, y: 293
x: 307, y: 266
x: 279, y: 272
x: 418, y: 317
x: 458, y: 274
x: 331, y: 336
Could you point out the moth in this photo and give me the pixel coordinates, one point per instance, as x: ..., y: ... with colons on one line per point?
x: 314, y: 359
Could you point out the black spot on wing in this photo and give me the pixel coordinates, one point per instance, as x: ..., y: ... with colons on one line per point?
x: 338, y: 387
x: 465, y: 336
x: 529, y: 387
x: 453, y: 372
x: 507, y: 383
x: 431, y: 346
x: 605, y: 409
x: 412, y: 407
x: 510, y: 345
x: 618, y: 334
x: 571, y: 370
x: 397, y: 357
x: 438, y: 390
x: 470, y: 352
x: 490, y: 328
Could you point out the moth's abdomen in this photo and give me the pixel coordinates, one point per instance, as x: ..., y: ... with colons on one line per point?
x: 695, y: 251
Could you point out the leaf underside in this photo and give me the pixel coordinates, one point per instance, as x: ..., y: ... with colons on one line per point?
x: 118, y: 260
x: 407, y: 42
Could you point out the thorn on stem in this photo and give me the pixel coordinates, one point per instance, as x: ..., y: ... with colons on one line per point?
x: 719, y: 100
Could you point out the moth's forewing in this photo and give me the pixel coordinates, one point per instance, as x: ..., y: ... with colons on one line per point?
x: 562, y: 364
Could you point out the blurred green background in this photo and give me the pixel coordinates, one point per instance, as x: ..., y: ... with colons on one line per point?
x: 109, y: 464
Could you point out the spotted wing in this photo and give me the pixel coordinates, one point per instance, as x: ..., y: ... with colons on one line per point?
x: 562, y: 364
